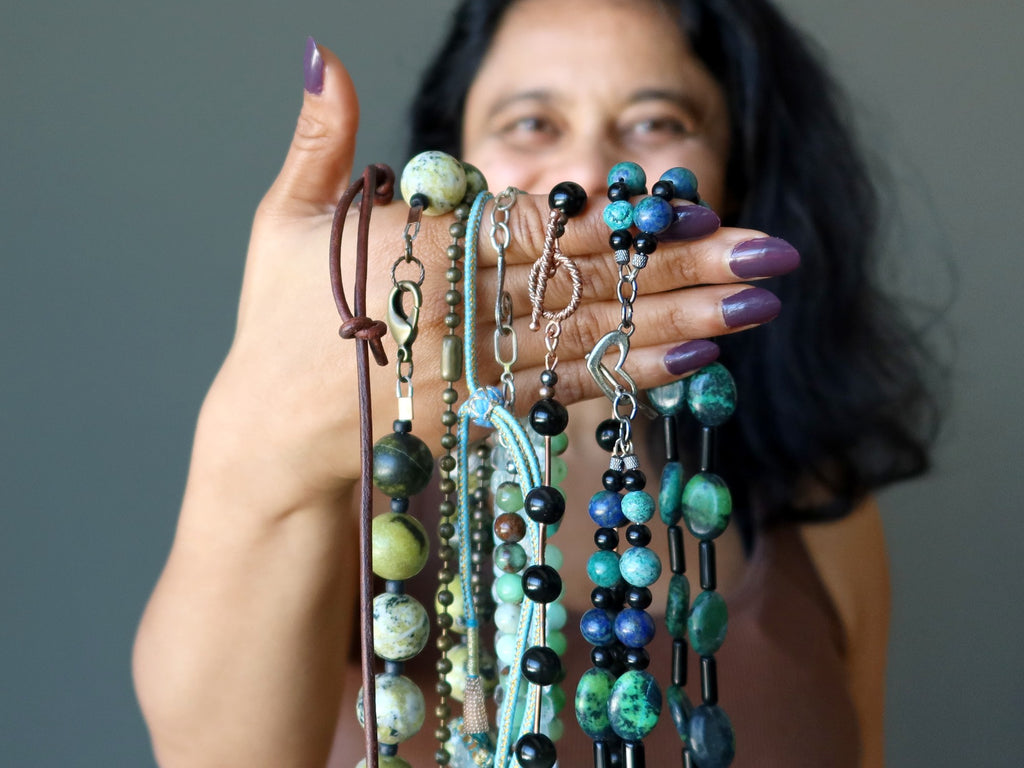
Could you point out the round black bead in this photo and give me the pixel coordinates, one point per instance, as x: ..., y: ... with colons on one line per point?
x: 602, y: 656
x: 549, y: 417
x: 620, y: 240
x: 548, y: 378
x: 618, y: 191
x: 666, y: 190
x: 645, y: 243
x: 544, y: 504
x: 606, y: 538
x: 639, y: 598
x: 634, y: 480
x: 535, y: 750
x: 540, y: 665
x: 401, y: 425
x: 400, y: 505
x: 607, y: 434
x: 603, y: 597
x: 542, y: 584
x: 638, y: 535
x: 568, y: 197
x: 636, y: 658
x: 419, y: 200
x: 612, y: 480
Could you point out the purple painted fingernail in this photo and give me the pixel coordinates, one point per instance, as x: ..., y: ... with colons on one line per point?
x: 763, y: 257
x: 750, y: 307
x: 690, y: 222
x: 314, y: 68
x: 690, y: 355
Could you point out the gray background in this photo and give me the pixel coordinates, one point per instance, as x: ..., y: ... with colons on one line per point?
x: 135, y: 141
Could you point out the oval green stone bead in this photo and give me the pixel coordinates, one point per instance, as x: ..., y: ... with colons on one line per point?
x: 681, y: 708
x: 400, y: 546
x: 400, y: 626
x: 634, y: 705
x: 708, y: 623
x: 712, y: 395
x: 707, y: 505
x: 712, y: 741
x: 402, y: 465
x: 400, y: 708
x: 678, y: 607
x: 509, y: 497
x: 592, y: 696
x: 602, y: 568
x: 669, y: 399
x: 670, y: 495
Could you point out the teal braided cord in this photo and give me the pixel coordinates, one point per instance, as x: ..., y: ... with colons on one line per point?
x: 464, y: 540
x: 476, y: 213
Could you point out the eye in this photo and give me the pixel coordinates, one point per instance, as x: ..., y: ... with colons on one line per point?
x: 654, y: 129
x: 529, y: 131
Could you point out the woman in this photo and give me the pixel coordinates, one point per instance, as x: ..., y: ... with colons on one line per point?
x: 243, y: 654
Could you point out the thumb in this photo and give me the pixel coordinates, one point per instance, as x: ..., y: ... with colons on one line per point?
x: 319, y: 161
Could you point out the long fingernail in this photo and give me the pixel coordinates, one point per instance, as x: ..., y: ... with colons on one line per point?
x: 763, y: 257
x: 690, y: 222
x: 690, y: 355
x: 314, y: 68
x: 750, y: 307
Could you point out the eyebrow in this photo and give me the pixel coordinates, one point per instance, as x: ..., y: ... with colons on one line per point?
x: 679, y: 98
x: 538, y: 94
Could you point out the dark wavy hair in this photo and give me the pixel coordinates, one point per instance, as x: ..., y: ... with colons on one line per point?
x: 835, y: 400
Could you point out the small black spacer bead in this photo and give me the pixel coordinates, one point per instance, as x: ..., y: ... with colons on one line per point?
x: 602, y: 657
x: 618, y: 191
x: 639, y: 598
x: 638, y: 535
x: 402, y: 425
x: 676, y: 552
x: 612, y: 480
x: 633, y: 755
x: 645, y: 243
x: 419, y: 200
x: 541, y: 583
x: 636, y: 658
x: 400, y: 505
x: 606, y: 538
x: 607, y: 434
x: 548, y: 417
x: 634, y: 480
x: 535, y: 750
x: 394, y: 587
x: 678, y: 662
x: 568, y: 197
x: 671, y: 434
x: 544, y: 504
x: 388, y: 750
x: 620, y: 240
x: 540, y: 665
x: 393, y: 667
x: 708, y: 680
x: 604, y: 597
x: 707, y: 565
x: 666, y: 190
x: 548, y: 378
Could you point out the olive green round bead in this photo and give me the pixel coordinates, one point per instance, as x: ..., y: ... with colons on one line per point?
x: 711, y: 395
x: 400, y: 546
x: 455, y: 608
x: 708, y: 623
x: 402, y: 465
x: 707, y: 505
x: 592, y: 695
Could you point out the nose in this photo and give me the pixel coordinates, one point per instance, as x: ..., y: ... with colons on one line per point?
x: 588, y: 163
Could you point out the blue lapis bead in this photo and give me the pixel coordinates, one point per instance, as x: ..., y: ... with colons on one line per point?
x: 653, y: 215
x: 634, y: 628
x: 684, y: 183
x: 606, y: 509
x: 598, y: 626
x: 618, y: 215
x: 630, y: 174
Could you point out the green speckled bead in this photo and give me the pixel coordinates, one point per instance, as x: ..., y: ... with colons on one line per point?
x: 678, y: 608
x: 475, y: 181
x: 402, y: 464
x: 634, y: 705
x: 555, y: 696
x: 640, y: 566
x: 712, y: 395
x: 559, y: 443
x: 400, y: 546
x: 707, y: 505
x: 592, y: 695
x: 386, y: 761
x: 400, y: 626
x: 708, y: 622
x: 603, y: 568
x: 557, y: 642
x: 509, y: 497
x: 638, y: 506
x: 681, y: 708
x: 400, y: 708
x: 670, y: 501
x: 509, y: 587
x: 437, y: 175
x: 510, y: 557
x: 669, y: 399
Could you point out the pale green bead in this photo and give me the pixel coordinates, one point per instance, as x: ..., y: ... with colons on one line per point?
x: 557, y: 615
x: 509, y: 587
x: 437, y: 175
x: 553, y: 557
x: 559, y: 443
x: 559, y: 470
x: 557, y: 642
x: 488, y: 672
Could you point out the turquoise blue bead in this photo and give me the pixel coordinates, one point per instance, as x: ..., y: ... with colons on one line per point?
x: 681, y: 709
x: 605, y: 509
x: 670, y: 495
x: 678, y: 608
x: 598, y: 626
x: 640, y: 566
x: 630, y: 174
x: 712, y: 741
x: 684, y: 182
x: 402, y: 465
x: 669, y: 399
x: 638, y: 506
x: 707, y: 505
x: 602, y: 568
x: 708, y: 623
x: 618, y: 215
x: 653, y: 215
x: 634, y: 628
x: 634, y: 705
x: 592, y: 696
x: 712, y: 395
x: 437, y: 175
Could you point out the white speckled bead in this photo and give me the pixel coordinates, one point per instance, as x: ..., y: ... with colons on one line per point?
x: 400, y: 626
x: 400, y: 708
x: 437, y: 175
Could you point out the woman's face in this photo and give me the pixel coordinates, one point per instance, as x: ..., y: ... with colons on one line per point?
x: 570, y: 88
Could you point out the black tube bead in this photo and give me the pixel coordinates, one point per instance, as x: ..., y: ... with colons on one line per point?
x: 633, y: 755
x: 679, y: 662
x: 707, y: 449
x: 707, y: 565
x: 676, y: 550
x: 671, y: 435
x: 601, y: 759
x: 708, y: 680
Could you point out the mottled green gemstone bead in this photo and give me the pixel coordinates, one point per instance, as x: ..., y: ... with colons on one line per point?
x: 402, y: 464
x: 437, y: 175
x: 400, y: 626
x: 640, y: 566
x: 634, y: 705
x: 678, y: 608
x: 669, y: 399
x: 400, y: 546
x: 559, y: 443
x: 707, y: 505
x: 592, y: 695
x: 510, y: 557
x: 638, y: 506
x: 712, y: 395
x: 681, y: 708
x: 670, y: 495
x: 708, y: 623
x: 400, y: 708
x: 509, y: 497
x: 603, y: 568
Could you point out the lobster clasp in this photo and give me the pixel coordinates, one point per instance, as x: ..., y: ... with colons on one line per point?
x: 402, y: 324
